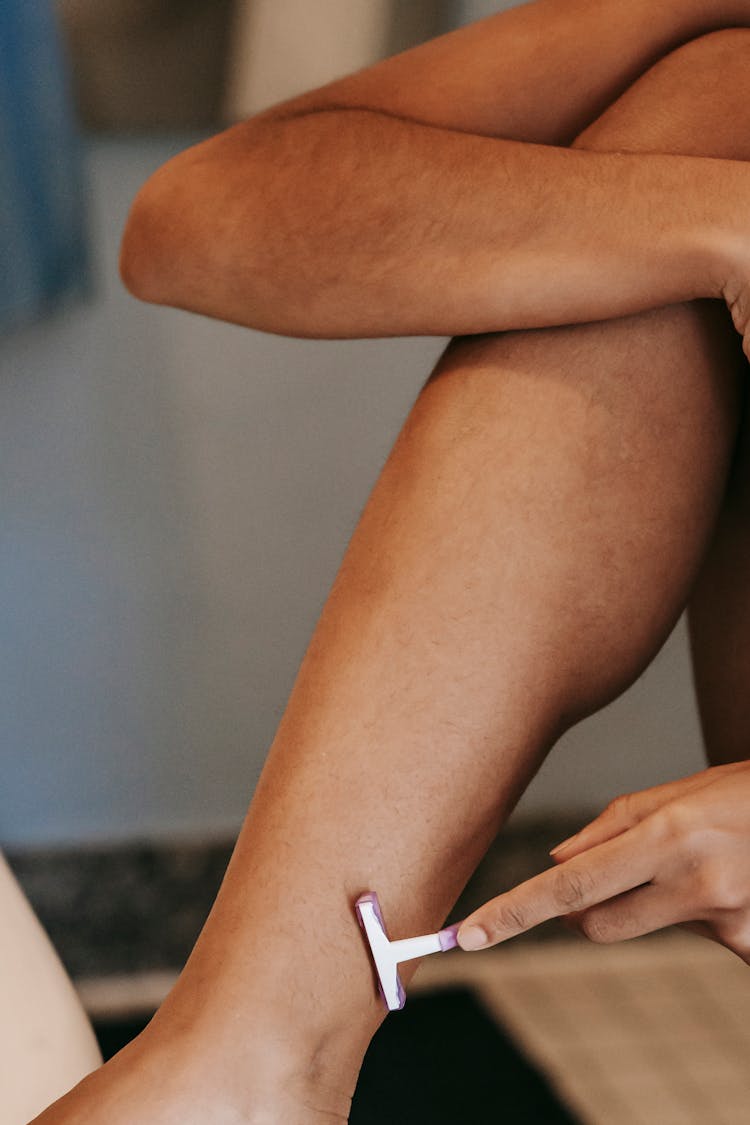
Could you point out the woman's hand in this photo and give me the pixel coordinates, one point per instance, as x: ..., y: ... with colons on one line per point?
x: 675, y: 854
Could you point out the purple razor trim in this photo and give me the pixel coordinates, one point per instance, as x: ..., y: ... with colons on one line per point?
x: 388, y: 955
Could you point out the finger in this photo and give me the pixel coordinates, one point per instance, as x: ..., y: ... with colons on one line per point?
x: 633, y: 914
x: 624, y: 813
x: 610, y: 869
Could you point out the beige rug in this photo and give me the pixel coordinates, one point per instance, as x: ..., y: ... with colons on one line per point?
x: 649, y: 1032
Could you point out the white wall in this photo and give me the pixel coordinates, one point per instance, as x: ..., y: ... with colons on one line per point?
x: 281, y: 50
x: 470, y: 10
x: 176, y: 495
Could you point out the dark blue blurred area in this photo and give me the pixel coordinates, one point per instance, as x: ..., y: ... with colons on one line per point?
x: 43, y: 243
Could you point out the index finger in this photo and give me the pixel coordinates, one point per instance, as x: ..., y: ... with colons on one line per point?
x: 606, y: 870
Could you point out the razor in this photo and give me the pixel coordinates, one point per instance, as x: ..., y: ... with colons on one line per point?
x: 388, y: 955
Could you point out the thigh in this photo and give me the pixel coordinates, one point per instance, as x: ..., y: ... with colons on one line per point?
x: 697, y: 102
x: 534, y: 72
x: 693, y: 102
x: 46, y: 1042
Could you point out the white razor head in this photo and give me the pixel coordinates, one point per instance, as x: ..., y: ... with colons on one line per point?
x: 386, y: 965
x: 388, y: 954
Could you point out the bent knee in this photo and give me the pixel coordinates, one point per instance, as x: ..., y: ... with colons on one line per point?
x: 693, y: 102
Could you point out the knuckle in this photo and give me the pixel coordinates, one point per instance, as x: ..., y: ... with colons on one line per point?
x: 506, y: 916
x: 738, y: 307
x: 620, y: 809
x: 613, y: 810
x: 572, y: 887
x: 677, y: 822
x: 594, y: 926
x: 719, y: 888
x: 621, y: 803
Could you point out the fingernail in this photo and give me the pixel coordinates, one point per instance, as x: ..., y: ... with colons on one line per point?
x: 473, y: 937
x: 564, y: 844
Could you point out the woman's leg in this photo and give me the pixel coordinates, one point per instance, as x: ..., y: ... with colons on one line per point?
x: 563, y: 62
x: 720, y: 621
x: 397, y: 201
x: 46, y: 1042
x: 531, y: 541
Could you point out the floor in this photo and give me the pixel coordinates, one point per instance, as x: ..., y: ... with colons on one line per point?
x: 650, y: 1032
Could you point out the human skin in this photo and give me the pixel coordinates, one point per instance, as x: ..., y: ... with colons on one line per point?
x: 694, y: 829
x: 692, y: 833
x: 676, y: 854
x: 719, y: 619
x: 46, y: 1042
x: 510, y: 573
x: 426, y: 195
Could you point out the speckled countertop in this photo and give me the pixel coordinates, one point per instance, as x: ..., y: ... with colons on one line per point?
x: 139, y: 907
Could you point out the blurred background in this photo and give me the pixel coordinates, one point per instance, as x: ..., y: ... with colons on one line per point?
x: 177, y: 494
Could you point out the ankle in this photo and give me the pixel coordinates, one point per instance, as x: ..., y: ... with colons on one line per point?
x: 261, y: 1078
